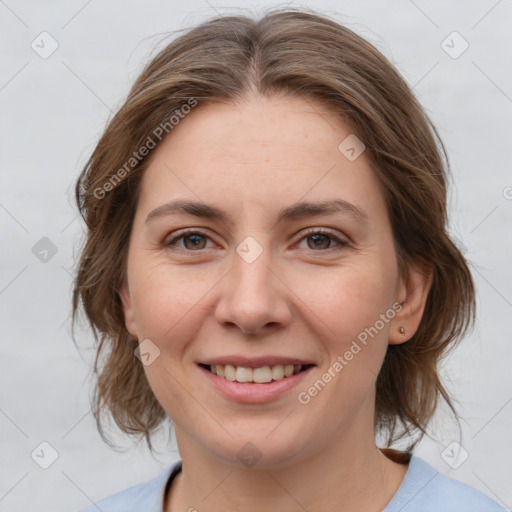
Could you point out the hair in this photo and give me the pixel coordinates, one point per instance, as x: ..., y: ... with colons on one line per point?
x: 304, y: 54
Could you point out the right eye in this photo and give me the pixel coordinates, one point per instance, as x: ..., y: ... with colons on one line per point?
x: 192, y: 238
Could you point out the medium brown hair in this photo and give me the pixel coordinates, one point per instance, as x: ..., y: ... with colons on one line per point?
x: 295, y: 52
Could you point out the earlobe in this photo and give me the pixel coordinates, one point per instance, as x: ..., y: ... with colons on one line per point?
x: 128, y: 310
x: 412, y: 296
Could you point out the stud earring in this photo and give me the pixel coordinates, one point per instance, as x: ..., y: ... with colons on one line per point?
x: 402, y: 331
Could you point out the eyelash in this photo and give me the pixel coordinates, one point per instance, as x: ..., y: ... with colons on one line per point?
x: 311, y: 231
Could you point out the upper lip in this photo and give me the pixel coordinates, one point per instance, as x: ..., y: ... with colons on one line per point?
x: 255, y: 362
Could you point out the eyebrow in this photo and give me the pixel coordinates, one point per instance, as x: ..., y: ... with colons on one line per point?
x: 293, y: 212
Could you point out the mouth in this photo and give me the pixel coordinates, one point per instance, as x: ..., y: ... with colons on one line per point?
x: 261, y: 375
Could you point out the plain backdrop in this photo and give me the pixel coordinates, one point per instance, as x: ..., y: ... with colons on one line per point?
x: 53, y: 111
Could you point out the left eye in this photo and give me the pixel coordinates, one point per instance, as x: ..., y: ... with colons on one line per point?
x: 321, y: 239
x: 320, y: 236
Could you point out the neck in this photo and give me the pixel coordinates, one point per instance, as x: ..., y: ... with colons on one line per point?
x: 351, y: 475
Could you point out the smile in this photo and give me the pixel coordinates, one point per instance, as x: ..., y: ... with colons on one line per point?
x: 251, y: 381
x: 261, y: 375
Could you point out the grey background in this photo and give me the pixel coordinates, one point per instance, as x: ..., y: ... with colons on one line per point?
x: 52, y: 113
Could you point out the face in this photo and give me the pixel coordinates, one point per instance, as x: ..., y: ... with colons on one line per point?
x: 268, y: 284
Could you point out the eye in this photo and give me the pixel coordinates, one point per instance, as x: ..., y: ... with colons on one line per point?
x: 193, y: 239
x: 321, y: 239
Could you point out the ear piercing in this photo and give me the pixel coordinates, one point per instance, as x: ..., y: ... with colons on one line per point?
x: 402, y: 331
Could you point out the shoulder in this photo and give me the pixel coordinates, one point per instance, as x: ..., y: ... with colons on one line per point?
x: 147, y: 496
x: 445, y: 493
x: 425, y: 489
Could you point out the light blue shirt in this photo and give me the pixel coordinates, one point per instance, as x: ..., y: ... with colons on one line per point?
x: 423, y: 490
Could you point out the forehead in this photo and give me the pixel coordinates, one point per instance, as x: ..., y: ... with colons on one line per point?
x: 261, y: 153
x: 278, y: 127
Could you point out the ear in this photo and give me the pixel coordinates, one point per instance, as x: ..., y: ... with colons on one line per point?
x: 412, y: 294
x: 129, y: 315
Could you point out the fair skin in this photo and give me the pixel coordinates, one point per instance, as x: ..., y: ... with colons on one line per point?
x: 305, y: 296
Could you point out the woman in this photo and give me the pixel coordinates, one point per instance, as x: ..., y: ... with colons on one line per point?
x: 267, y: 264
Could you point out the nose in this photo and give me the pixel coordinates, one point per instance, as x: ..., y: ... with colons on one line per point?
x: 253, y: 297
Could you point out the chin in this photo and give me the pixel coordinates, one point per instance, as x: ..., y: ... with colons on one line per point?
x: 261, y: 450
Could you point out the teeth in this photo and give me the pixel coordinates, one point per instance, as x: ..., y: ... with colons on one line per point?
x: 243, y: 374
x: 288, y: 370
x: 262, y: 375
x: 278, y: 372
x: 230, y: 372
x: 258, y: 375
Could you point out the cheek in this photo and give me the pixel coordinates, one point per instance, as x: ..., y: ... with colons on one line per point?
x: 169, y: 313
x: 165, y: 297
x: 349, y: 299
x: 350, y: 303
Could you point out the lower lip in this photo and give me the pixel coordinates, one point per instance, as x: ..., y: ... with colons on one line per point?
x: 252, y: 392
